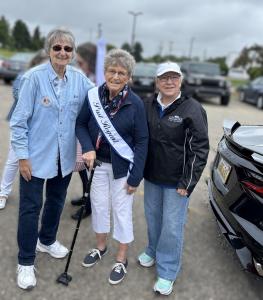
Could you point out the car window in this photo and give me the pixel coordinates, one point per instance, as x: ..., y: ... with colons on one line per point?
x: 257, y: 81
x: 20, y: 56
x: 145, y: 70
x: 208, y: 69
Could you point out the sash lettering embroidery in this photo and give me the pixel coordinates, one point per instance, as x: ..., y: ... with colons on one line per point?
x: 111, y: 134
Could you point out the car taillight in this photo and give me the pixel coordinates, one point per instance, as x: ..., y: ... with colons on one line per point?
x: 255, y: 187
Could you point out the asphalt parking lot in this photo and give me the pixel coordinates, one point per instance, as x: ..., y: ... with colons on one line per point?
x: 210, y: 270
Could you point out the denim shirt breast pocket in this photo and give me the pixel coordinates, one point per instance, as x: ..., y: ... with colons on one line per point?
x: 74, y: 108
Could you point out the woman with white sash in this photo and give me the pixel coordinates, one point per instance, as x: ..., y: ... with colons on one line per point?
x: 112, y: 127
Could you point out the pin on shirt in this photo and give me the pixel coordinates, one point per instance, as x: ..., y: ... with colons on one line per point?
x: 46, y: 101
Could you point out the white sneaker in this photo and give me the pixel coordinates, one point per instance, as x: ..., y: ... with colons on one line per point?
x: 55, y: 250
x: 3, y: 201
x: 26, y: 278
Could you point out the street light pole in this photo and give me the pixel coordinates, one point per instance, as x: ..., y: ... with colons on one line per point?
x: 135, y: 15
x: 191, y: 47
x: 99, y: 30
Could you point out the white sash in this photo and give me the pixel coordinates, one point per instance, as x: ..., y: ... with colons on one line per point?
x: 109, y: 131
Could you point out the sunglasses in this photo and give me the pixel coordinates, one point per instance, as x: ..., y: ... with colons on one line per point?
x: 58, y: 48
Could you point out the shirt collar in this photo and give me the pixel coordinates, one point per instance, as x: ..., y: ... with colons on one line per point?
x: 163, y: 106
x: 53, y: 75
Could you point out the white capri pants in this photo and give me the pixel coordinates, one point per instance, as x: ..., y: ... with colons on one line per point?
x: 9, y: 173
x: 109, y: 194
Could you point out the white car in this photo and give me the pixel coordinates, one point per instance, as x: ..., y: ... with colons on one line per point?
x: 238, y: 73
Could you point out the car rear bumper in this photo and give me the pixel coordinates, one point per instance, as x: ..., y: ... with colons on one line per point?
x: 205, y: 91
x: 243, y: 252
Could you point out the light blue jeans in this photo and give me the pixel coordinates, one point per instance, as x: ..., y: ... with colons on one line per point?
x: 165, y: 212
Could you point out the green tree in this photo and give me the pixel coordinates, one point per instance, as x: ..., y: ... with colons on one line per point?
x: 157, y: 58
x: 4, y: 33
x: 109, y: 47
x: 137, y: 51
x: 255, y: 72
x: 243, y: 58
x: 21, y: 35
x: 126, y: 46
x: 222, y: 63
x: 37, y: 42
x: 251, y: 59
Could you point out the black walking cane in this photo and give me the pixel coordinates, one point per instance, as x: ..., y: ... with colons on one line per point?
x: 65, y: 278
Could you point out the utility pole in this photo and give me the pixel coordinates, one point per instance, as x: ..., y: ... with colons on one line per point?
x: 204, y: 55
x: 191, y: 47
x: 135, y: 15
x: 90, y: 34
x: 171, y: 47
x: 161, y: 48
x: 99, y: 30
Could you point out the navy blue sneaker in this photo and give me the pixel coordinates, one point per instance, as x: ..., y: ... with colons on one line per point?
x: 118, y: 272
x: 93, y: 256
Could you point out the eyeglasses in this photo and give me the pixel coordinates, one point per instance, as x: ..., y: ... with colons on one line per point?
x: 166, y: 78
x: 58, y: 48
x: 120, y: 74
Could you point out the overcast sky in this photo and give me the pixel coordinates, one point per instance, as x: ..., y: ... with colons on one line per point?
x: 216, y: 27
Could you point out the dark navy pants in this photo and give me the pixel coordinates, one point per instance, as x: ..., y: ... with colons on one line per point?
x: 31, y: 199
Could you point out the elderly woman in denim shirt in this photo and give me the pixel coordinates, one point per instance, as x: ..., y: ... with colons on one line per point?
x: 44, y: 141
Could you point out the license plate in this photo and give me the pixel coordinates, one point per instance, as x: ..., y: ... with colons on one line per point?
x: 146, y: 81
x: 224, y: 169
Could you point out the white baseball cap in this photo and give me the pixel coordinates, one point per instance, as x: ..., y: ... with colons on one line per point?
x: 168, y: 67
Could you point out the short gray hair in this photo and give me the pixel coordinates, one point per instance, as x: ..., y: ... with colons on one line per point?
x: 120, y: 57
x: 59, y: 34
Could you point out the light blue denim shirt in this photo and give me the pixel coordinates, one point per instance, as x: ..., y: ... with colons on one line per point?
x: 43, y: 122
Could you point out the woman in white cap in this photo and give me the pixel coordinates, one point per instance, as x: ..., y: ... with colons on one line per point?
x: 177, y: 155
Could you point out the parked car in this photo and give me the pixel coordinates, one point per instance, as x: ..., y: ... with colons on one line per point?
x: 252, y: 92
x: 143, y: 79
x: 203, y: 80
x: 236, y: 191
x: 1, y: 61
x: 238, y: 73
x: 14, y: 65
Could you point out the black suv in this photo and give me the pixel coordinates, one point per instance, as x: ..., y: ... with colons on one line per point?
x: 143, y: 79
x: 203, y: 80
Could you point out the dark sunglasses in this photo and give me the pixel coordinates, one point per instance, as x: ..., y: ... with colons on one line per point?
x: 58, y: 48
